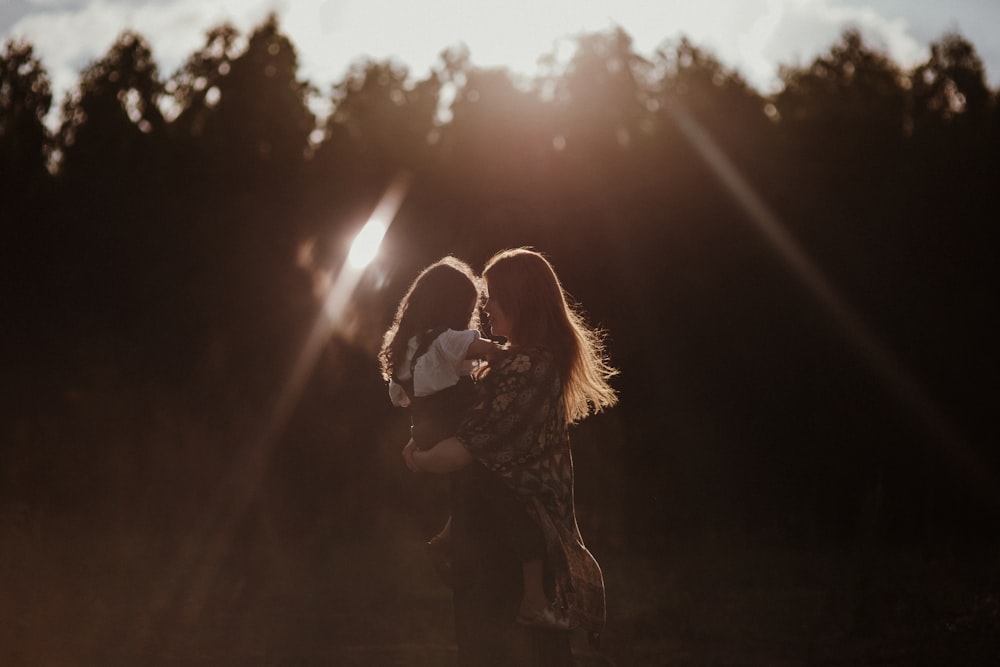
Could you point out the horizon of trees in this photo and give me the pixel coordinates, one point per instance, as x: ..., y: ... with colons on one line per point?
x: 950, y: 85
x: 166, y: 238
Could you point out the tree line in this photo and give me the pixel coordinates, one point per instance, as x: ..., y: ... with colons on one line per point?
x: 170, y: 231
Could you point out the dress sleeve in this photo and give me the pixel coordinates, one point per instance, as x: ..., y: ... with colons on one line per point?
x: 501, y: 431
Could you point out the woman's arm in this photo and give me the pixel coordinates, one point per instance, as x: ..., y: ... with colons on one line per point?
x: 446, y: 456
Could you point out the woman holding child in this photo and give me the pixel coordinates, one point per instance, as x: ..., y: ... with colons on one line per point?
x: 509, y: 458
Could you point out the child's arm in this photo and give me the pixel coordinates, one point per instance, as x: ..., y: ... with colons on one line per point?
x: 482, y: 348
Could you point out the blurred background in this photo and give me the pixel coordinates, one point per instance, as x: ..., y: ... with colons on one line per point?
x: 199, y: 463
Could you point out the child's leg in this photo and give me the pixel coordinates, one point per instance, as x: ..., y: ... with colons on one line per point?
x: 529, y: 544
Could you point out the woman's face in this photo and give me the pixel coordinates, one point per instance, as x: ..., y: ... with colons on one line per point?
x: 499, y: 324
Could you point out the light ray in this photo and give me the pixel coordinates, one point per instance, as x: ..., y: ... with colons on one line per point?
x: 185, y: 589
x: 902, y: 384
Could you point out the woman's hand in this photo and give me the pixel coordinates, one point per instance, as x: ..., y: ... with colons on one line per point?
x: 444, y: 457
x: 408, y: 451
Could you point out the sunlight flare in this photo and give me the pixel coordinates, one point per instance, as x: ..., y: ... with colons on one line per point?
x: 203, y: 554
x: 881, y: 359
x: 367, y: 242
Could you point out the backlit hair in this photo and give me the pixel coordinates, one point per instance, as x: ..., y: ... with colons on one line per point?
x: 525, y: 285
x: 444, y: 295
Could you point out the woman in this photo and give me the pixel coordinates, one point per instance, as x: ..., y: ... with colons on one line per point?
x: 517, y: 440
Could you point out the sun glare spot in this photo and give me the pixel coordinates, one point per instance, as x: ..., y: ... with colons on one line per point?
x: 366, y: 243
x: 169, y: 107
x: 212, y: 96
x: 131, y: 101
x: 623, y: 137
x: 305, y: 256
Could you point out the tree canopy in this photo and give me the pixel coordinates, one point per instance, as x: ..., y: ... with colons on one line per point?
x: 160, y: 230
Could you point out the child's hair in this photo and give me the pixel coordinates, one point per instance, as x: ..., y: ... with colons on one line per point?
x: 445, y: 294
x: 525, y: 285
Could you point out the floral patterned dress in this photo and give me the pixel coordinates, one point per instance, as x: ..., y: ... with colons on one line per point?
x: 519, y: 432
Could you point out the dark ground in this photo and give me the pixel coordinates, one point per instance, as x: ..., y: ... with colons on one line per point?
x: 119, y: 560
x: 101, y: 595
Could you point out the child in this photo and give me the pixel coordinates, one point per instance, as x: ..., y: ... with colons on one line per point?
x: 428, y: 357
x: 431, y: 350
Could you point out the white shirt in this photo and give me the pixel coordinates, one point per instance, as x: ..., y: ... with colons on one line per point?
x: 440, y: 367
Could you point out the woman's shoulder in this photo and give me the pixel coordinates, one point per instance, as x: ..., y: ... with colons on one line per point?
x: 533, y: 352
x: 522, y: 359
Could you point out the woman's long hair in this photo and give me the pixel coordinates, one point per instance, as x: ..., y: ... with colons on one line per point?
x: 445, y: 295
x: 525, y: 285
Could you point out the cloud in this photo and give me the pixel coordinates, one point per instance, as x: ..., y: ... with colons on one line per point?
x: 810, y: 27
x: 68, y: 36
x: 753, y: 36
x: 793, y: 32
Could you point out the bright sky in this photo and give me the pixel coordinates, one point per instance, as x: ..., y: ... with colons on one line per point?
x: 753, y: 36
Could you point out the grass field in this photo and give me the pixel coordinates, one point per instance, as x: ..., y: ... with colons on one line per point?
x: 76, y: 594
x: 110, y: 555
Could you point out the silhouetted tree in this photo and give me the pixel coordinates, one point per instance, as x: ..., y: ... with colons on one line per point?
x: 108, y: 119
x: 108, y: 172
x: 246, y: 110
x: 25, y: 99
x: 950, y: 88
x: 951, y: 164
x: 385, y: 115
x: 728, y: 109
x: 243, y: 130
x: 854, y: 91
x: 602, y: 98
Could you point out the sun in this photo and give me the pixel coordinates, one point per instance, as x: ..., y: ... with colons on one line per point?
x: 367, y: 242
